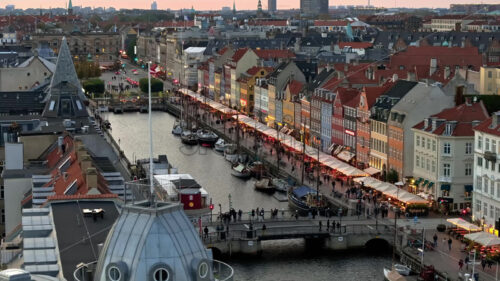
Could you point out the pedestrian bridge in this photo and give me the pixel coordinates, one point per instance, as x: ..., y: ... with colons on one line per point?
x: 246, y: 237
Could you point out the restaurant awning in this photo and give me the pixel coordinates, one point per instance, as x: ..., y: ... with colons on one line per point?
x: 431, y: 184
x: 483, y: 238
x: 459, y: 222
x: 418, y: 181
x: 372, y: 171
x: 425, y: 182
x: 391, y: 190
x: 345, y: 155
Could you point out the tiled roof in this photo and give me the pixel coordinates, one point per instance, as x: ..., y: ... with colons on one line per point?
x: 223, y: 50
x: 239, y: 54
x: 446, y: 56
x: 295, y: 87
x: 255, y: 69
x: 346, y: 94
x: 372, y: 93
x: 486, y: 127
x: 463, y: 114
x: 173, y: 24
x: 270, y: 23
x: 355, y: 45
x: 274, y: 54
x: 330, y: 23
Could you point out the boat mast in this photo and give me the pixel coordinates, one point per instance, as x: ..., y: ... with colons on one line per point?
x: 318, y: 168
x: 151, y: 188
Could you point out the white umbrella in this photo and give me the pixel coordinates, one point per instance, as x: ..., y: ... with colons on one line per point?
x: 400, y: 183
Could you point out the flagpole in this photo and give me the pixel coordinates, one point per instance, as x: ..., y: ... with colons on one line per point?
x: 151, y: 188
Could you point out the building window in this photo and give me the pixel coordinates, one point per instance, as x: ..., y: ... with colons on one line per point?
x: 479, y: 142
x: 428, y: 144
x: 161, y: 274
x: 114, y: 274
x: 485, y: 185
x: 447, y: 148
x: 494, y: 146
x: 428, y: 165
x: 468, y: 169
x: 418, y: 161
x: 479, y: 161
x: 492, y: 188
x: 478, y: 205
x: 485, y: 209
x: 418, y: 140
x: 468, y: 148
x: 487, y: 144
x: 433, y: 145
x: 423, y: 142
x: 433, y: 166
x: 486, y: 164
x: 446, y: 169
x: 492, y: 210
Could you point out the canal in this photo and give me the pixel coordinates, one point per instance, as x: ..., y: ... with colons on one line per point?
x: 287, y: 260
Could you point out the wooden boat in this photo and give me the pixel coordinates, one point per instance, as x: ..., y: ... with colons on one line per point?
x: 240, y: 171
x: 304, y: 199
x: 264, y: 185
x: 393, y: 275
x: 189, y: 138
x: 257, y: 168
x: 220, y: 145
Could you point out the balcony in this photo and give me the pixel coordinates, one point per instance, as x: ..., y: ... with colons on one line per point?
x: 490, y: 156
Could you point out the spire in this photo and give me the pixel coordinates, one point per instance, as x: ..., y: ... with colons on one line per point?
x: 70, y: 8
x: 259, y: 7
x: 64, y: 84
x: 234, y: 6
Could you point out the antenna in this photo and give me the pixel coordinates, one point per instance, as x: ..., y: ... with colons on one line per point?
x: 150, y: 137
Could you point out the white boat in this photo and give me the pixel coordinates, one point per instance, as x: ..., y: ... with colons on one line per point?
x: 177, y: 130
x: 393, y: 275
x: 402, y: 269
x: 220, y: 145
x: 240, y: 171
x: 231, y: 153
x: 280, y: 184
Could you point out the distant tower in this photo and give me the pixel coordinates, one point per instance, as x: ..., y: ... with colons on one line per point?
x: 259, y: 9
x: 271, y: 6
x: 234, y: 6
x: 70, y: 8
x: 154, y: 6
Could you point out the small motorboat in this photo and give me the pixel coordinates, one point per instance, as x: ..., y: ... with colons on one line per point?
x: 402, y: 269
x: 264, y: 185
x: 257, y: 168
x: 280, y: 185
x: 231, y: 153
x: 207, y: 138
x: 304, y: 199
x: 220, y: 145
x: 177, y: 130
x: 240, y: 171
x: 393, y: 275
x: 189, y: 138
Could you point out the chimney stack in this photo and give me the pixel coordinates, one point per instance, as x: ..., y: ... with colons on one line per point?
x: 433, y: 67
x: 91, y: 178
x: 447, y: 72
x: 495, y: 119
x: 85, y: 162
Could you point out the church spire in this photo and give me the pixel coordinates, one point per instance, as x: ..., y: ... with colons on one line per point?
x: 70, y: 8
x: 234, y: 6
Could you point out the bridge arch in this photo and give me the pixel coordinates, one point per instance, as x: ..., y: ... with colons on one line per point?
x: 377, y: 244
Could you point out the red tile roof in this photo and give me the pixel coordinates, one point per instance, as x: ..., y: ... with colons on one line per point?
x: 295, y: 86
x: 446, y: 56
x: 255, y: 69
x: 223, y: 50
x: 372, y: 93
x: 81, y: 196
x: 355, y: 45
x: 274, y: 54
x: 173, y: 24
x: 486, y: 127
x: 344, y: 95
x: 55, y: 155
x: 239, y: 54
x: 463, y: 114
x: 330, y: 23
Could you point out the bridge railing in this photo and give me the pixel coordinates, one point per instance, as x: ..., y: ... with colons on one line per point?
x: 283, y: 231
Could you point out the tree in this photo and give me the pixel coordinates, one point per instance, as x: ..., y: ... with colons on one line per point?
x: 94, y: 86
x: 392, y: 176
x: 156, y: 85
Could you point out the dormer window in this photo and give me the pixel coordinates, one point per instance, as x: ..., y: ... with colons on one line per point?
x: 426, y: 123
x: 448, y: 130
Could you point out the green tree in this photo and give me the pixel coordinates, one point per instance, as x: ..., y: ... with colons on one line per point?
x: 94, y: 86
x: 392, y: 176
x: 156, y: 85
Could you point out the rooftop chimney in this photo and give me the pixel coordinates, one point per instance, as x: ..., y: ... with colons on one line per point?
x: 85, y: 162
x: 394, y: 77
x: 446, y: 72
x: 495, y: 119
x: 433, y: 67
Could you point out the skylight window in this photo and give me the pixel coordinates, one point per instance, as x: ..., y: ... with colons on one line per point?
x: 72, y: 188
x: 79, y: 105
x: 52, y: 104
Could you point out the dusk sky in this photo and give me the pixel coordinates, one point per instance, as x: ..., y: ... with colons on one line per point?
x: 217, y: 4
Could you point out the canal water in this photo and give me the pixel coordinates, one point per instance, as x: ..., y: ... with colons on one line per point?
x: 285, y: 260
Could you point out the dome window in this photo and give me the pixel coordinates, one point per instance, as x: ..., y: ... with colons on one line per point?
x: 161, y: 274
x: 114, y: 273
x: 203, y: 270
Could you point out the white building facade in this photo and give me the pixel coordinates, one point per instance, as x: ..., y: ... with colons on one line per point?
x: 486, y: 195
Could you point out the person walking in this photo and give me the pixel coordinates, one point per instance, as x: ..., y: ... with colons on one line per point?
x: 483, y: 263
x: 460, y: 264
x: 328, y: 225
x: 320, y: 225
x: 264, y: 229
x: 205, y: 230
x: 449, y: 244
x: 467, y: 262
x: 435, y: 237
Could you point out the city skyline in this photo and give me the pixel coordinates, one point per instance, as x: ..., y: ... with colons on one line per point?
x: 240, y: 4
